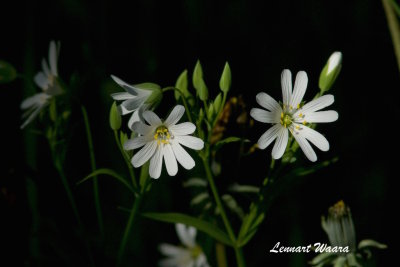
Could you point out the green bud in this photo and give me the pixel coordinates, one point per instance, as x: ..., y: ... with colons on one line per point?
x: 7, y: 72
x: 330, y: 72
x: 210, y: 112
x: 123, y: 137
x: 226, y: 79
x: 182, y: 85
x: 199, y: 83
x: 115, y: 117
x: 217, y: 103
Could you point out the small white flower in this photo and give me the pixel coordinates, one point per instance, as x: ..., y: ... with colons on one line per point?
x: 133, y: 100
x: 333, y: 62
x: 164, y: 140
x: 292, y: 117
x: 47, y: 81
x: 191, y: 255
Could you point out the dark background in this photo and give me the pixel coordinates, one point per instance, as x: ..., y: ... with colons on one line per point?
x: 154, y: 41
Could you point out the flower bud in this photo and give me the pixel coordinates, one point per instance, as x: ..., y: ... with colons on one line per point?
x: 115, y: 117
x: 199, y: 83
x: 226, y: 79
x: 330, y: 71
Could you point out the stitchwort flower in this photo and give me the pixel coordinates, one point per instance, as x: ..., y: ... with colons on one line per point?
x: 189, y: 255
x: 162, y: 140
x: 136, y: 99
x: 47, y: 81
x: 293, y: 116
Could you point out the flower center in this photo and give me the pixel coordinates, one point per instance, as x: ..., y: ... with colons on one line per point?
x: 162, y: 135
x: 195, y: 252
x: 286, y: 119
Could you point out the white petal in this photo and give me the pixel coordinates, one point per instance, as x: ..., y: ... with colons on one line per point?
x: 184, y: 128
x: 31, y: 101
x: 314, y: 137
x: 321, y: 116
x: 156, y: 163
x: 183, y: 233
x: 334, y: 60
x: 152, y: 118
x: 32, y: 116
x: 269, y: 136
x: 170, y: 160
x: 122, y: 96
x: 175, y: 115
x: 53, y: 58
x: 305, y: 146
x: 262, y: 115
x: 129, y: 88
x: 135, y: 143
x: 286, y: 83
x: 171, y: 250
x: 267, y: 102
x: 169, y: 262
x: 134, y: 118
x: 41, y: 80
x: 45, y: 67
x: 144, y: 154
x: 202, y: 261
x: 123, y: 111
x: 133, y: 103
x: 299, y: 90
x: 280, y: 143
x: 182, y: 156
x: 142, y: 128
x: 317, y: 104
x: 190, y: 141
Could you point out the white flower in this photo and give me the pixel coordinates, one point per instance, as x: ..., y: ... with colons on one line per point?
x: 191, y: 255
x: 47, y: 81
x: 164, y: 140
x: 333, y: 62
x: 292, y: 116
x: 133, y: 100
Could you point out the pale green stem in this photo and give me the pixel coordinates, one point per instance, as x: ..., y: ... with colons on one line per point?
x: 93, y: 166
x: 170, y: 88
x: 394, y: 29
x: 221, y: 255
x: 126, y: 159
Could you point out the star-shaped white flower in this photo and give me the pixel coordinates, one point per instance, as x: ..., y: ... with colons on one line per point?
x: 47, y: 81
x: 163, y: 140
x: 292, y: 116
x: 133, y: 100
x: 191, y: 255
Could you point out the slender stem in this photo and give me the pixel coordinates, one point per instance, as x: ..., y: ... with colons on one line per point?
x: 239, y: 257
x: 221, y: 255
x: 132, y: 215
x: 71, y: 199
x: 93, y: 166
x: 126, y: 159
x: 183, y: 99
x: 393, y: 28
x: 127, y: 230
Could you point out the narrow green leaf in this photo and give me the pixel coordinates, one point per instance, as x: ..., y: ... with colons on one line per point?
x: 228, y: 140
x: 111, y: 173
x: 7, y: 72
x: 206, y: 227
x: 226, y: 79
x: 217, y: 103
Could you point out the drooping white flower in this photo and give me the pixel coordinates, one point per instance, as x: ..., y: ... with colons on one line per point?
x: 292, y: 116
x: 163, y: 140
x: 190, y: 255
x: 135, y: 99
x: 47, y: 81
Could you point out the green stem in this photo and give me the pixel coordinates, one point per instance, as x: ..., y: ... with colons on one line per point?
x: 170, y: 88
x: 126, y: 159
x: 132, y: 215
x: 93, y: 166
x: 393, y: 28
x: 228, y: 227
x: 221, y: 255
x: 71, y: 199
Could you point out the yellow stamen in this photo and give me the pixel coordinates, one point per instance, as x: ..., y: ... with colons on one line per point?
x: 304, y: 122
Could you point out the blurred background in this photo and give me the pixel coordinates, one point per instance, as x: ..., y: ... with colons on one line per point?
x: 155, y: 41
